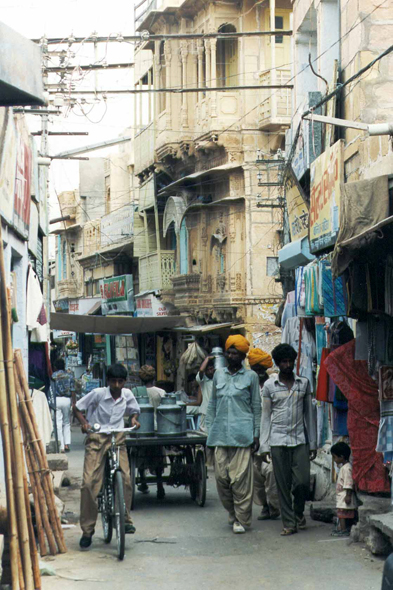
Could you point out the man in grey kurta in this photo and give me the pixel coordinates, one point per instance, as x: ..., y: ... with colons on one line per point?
x: 233, y: 423
x: 289, y: 436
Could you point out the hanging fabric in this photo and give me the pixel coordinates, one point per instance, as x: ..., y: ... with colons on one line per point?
x: 312, y: 306
x: 334, y: 293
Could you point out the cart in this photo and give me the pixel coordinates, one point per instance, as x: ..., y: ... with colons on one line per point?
x: 184, y: 456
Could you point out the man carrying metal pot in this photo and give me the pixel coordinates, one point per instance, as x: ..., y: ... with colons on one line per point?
x: 233, y: 422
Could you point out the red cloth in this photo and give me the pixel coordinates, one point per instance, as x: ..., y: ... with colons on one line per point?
x: 322, y: 394
x: 353, y: 379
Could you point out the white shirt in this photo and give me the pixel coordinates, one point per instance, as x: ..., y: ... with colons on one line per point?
x: 345, y: 484
x: 102, y: 409
x: 206, y: 388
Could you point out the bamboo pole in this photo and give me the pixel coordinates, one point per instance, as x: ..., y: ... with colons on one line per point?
x: 35, y: 472
x: 32, y: 544
x: 42, y: 459
x: 9, y: 484
x: 13, y: 409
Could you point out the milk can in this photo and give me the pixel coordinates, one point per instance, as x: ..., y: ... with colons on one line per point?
x: 170, y: 420
x: 146, y: 417
x: 219, y: 358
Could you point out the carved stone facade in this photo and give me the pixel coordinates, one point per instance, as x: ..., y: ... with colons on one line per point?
x: 205, y: 150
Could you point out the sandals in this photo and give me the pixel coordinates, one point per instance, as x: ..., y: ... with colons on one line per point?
x: 288, y: 532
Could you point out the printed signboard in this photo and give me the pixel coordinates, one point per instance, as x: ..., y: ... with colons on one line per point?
x: 296, y: 207
x: 7, y: 165
x: 22, y: 193
x: 327, y: 177
x: 117, y: 295
x: 149, y: 306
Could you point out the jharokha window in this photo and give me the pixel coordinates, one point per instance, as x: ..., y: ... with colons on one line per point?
x: 227, y: 58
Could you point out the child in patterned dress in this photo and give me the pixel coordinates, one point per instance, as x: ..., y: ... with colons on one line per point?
x: 345, y: 493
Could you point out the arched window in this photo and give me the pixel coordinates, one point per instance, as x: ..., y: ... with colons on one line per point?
x: 227, y: 58
x: 162, y: 95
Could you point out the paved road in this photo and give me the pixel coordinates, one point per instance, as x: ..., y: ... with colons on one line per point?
x: 195, y: 549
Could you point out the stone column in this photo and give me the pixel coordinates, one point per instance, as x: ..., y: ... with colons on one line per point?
x: 213, y: 77
x: 168, y: 101
x: 157, y: 69
x: 208, y: 72
x: 200, y: 82
x: 184, y: 106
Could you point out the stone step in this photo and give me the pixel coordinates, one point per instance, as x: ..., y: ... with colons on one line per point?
x: 57, y: 462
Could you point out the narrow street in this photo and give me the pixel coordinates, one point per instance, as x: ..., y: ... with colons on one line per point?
x: 181, y: 546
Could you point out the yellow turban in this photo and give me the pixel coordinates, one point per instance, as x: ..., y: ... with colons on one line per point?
x: 256, y: 356
x: 239, y: 342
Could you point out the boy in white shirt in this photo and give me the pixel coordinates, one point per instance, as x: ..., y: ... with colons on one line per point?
x: 107, y: 407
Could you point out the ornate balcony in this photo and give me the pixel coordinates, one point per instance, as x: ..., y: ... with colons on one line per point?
x: 275, y: 109
x: 186, y: 289
x: 68, y: 288
x: 156, y: 270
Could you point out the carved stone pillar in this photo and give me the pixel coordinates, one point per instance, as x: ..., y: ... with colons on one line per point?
x: 184, y: 105
x: 201, y: 81
x: 157, y: 70
x: 213, y: 77
x: 168, y: 99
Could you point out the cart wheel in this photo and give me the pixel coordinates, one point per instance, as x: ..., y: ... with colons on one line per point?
x: 132, y: 461
x: 201, y: 485
x: 190, y: 460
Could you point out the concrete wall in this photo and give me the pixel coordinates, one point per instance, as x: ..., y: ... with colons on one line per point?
x: 92, y: 188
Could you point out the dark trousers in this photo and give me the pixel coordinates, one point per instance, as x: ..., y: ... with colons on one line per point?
x: 292, y: 472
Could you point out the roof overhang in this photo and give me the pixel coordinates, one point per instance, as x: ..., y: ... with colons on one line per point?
x: 21, y: 81
x: 295, y: 254
x: 188, y: 181
x: 112, y: 324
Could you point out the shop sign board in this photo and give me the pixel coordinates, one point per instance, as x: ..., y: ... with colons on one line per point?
x: 296, y: 207
x: 326, y: 177
x: 117, y: 295
x: 61, y: 305
x: 8, y: 165
x: 22, y: 193
x: 149, y: 306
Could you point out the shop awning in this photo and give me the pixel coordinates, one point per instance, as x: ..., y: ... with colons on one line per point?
x: 191, y: 178
x: 295, y: 254
x: 91, y: 324
x: 96, y: 307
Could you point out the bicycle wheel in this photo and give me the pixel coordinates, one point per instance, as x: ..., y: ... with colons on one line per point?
x: 120, y: 514
x: 201, y: 485
x: 106, y: 511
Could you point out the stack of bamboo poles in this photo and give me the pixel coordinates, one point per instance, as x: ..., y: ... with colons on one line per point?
x: 25, y: 574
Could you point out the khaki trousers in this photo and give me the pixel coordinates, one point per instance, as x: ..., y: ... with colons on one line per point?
x: 96, y: 447
x: 235, y: 478
x: 265, y: 487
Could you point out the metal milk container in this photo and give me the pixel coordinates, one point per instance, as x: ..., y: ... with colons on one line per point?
x: 219, y: 358
x: 170, y: 420
x: 146, y: 417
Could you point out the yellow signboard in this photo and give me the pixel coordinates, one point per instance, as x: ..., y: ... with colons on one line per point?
x: 297, y: 208
x: 326, y: 179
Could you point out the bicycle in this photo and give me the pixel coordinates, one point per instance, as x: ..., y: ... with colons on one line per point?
x: 111, y: 503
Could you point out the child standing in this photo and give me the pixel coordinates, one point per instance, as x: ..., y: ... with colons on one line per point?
x: 345, y: 494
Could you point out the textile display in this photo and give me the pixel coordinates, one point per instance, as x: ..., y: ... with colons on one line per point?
x: 322, y: 424
x: 323, y: 378
x: 340, y: 422
x: 389, y: 286
x: 311, y: 282
x: 361, y: 392
x: 385, y: 431
x: 334, y: 292
x: 300, y: 292
x: 386, y: 383
x: 320, y: 336
x: 291, y: 335
x: 363, y: 204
